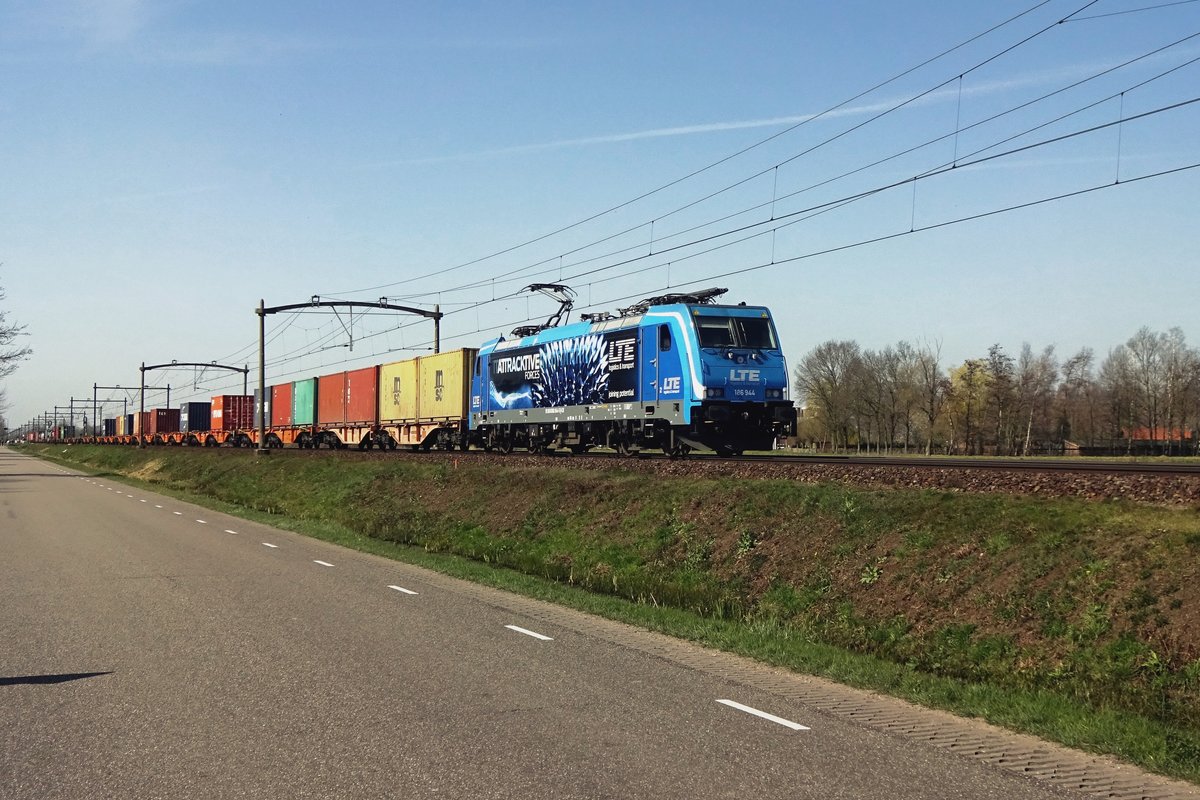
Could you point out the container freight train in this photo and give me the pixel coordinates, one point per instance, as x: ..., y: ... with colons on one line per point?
x: 676, y: 373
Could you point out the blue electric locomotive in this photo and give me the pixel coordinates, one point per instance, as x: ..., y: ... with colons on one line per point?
x: 675, y: 372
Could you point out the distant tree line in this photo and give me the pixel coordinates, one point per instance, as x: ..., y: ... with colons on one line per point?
x: 1143, y: 397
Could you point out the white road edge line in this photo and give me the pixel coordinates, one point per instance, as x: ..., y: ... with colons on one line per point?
x: 268, y: 544
x: 401, y: 589
x: 529, y: 633
x: 322, y: 563
x: 787, y: 723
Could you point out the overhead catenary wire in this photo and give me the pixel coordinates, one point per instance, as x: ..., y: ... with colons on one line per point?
x: 1133, y: 10
x: 523, y: 274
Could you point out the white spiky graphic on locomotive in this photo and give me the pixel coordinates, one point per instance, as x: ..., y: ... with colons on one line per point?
x: 574, y: 372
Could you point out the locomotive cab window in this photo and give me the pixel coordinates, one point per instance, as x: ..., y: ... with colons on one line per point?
x: 478, y: 361
x: 664, y: 338
x: 714, y: 332
x: 755, y: 332
x: 748, y: 332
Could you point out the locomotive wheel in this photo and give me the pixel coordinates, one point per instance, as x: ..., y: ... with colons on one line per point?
x: 504, y: 446
x: 679, y: 451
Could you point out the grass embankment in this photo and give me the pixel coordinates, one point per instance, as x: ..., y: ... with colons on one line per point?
x: 1076, y: 621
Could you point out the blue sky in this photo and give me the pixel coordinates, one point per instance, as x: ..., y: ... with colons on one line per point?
x: 167, y: 164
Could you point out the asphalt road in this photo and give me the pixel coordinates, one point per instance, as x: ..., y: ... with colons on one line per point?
x: 154, y: 649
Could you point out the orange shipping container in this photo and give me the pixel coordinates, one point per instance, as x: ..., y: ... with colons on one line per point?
x: 362, y: 389
x: 281, y: 406
x: 348, y: 398
x: 331, y: 399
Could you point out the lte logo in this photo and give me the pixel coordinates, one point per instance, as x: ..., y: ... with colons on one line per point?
x: 748, y: 375
x: 671, y: 385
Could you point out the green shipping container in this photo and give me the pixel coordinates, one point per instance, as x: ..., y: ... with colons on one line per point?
x: 304, y: 402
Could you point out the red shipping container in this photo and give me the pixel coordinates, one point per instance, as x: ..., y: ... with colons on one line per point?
x: 331, y: 399
x: 232, y: 412
x: 348, y: 398
x: 362, y: 396
x: 164, y: 420
x: 281, y: 406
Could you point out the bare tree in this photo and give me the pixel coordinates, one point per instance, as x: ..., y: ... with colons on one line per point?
x: 1001, y: 395
x: 1120, y: 393
x: 1180, y: 377
x: 1036, y: 378
x: 931, y: 387
x: 824, y: 379
x: 1078, y: 395
x: 10, y: 353
x: 1146, y: 349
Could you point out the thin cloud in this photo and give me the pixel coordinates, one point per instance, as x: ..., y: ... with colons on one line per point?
x: 230, y: 49
x: 949, y: 94
x: 691, y: 130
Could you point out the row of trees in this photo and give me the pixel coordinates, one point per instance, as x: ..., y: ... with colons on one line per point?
x: 1143, y: 396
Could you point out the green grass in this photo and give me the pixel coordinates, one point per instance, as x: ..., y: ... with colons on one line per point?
x: 1053, y: 617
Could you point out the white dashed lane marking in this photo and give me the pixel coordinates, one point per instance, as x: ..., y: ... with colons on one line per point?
x: 529, y: 633
x: 177, y: 513
x: 402, y: 589
x: 229, y: 531
x: 158, y: 506
x: 787, y: 723
x: 268, y: 544
x: 322, y: 563
x: 202, y: 521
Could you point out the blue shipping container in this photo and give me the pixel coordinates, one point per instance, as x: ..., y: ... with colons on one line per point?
x: 194, y: 417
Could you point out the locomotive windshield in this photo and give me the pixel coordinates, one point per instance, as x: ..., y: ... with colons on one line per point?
x: 751, y: 332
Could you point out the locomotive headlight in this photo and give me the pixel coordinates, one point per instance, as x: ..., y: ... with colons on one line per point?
x: 714, y: 393
x: 774, y: 394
